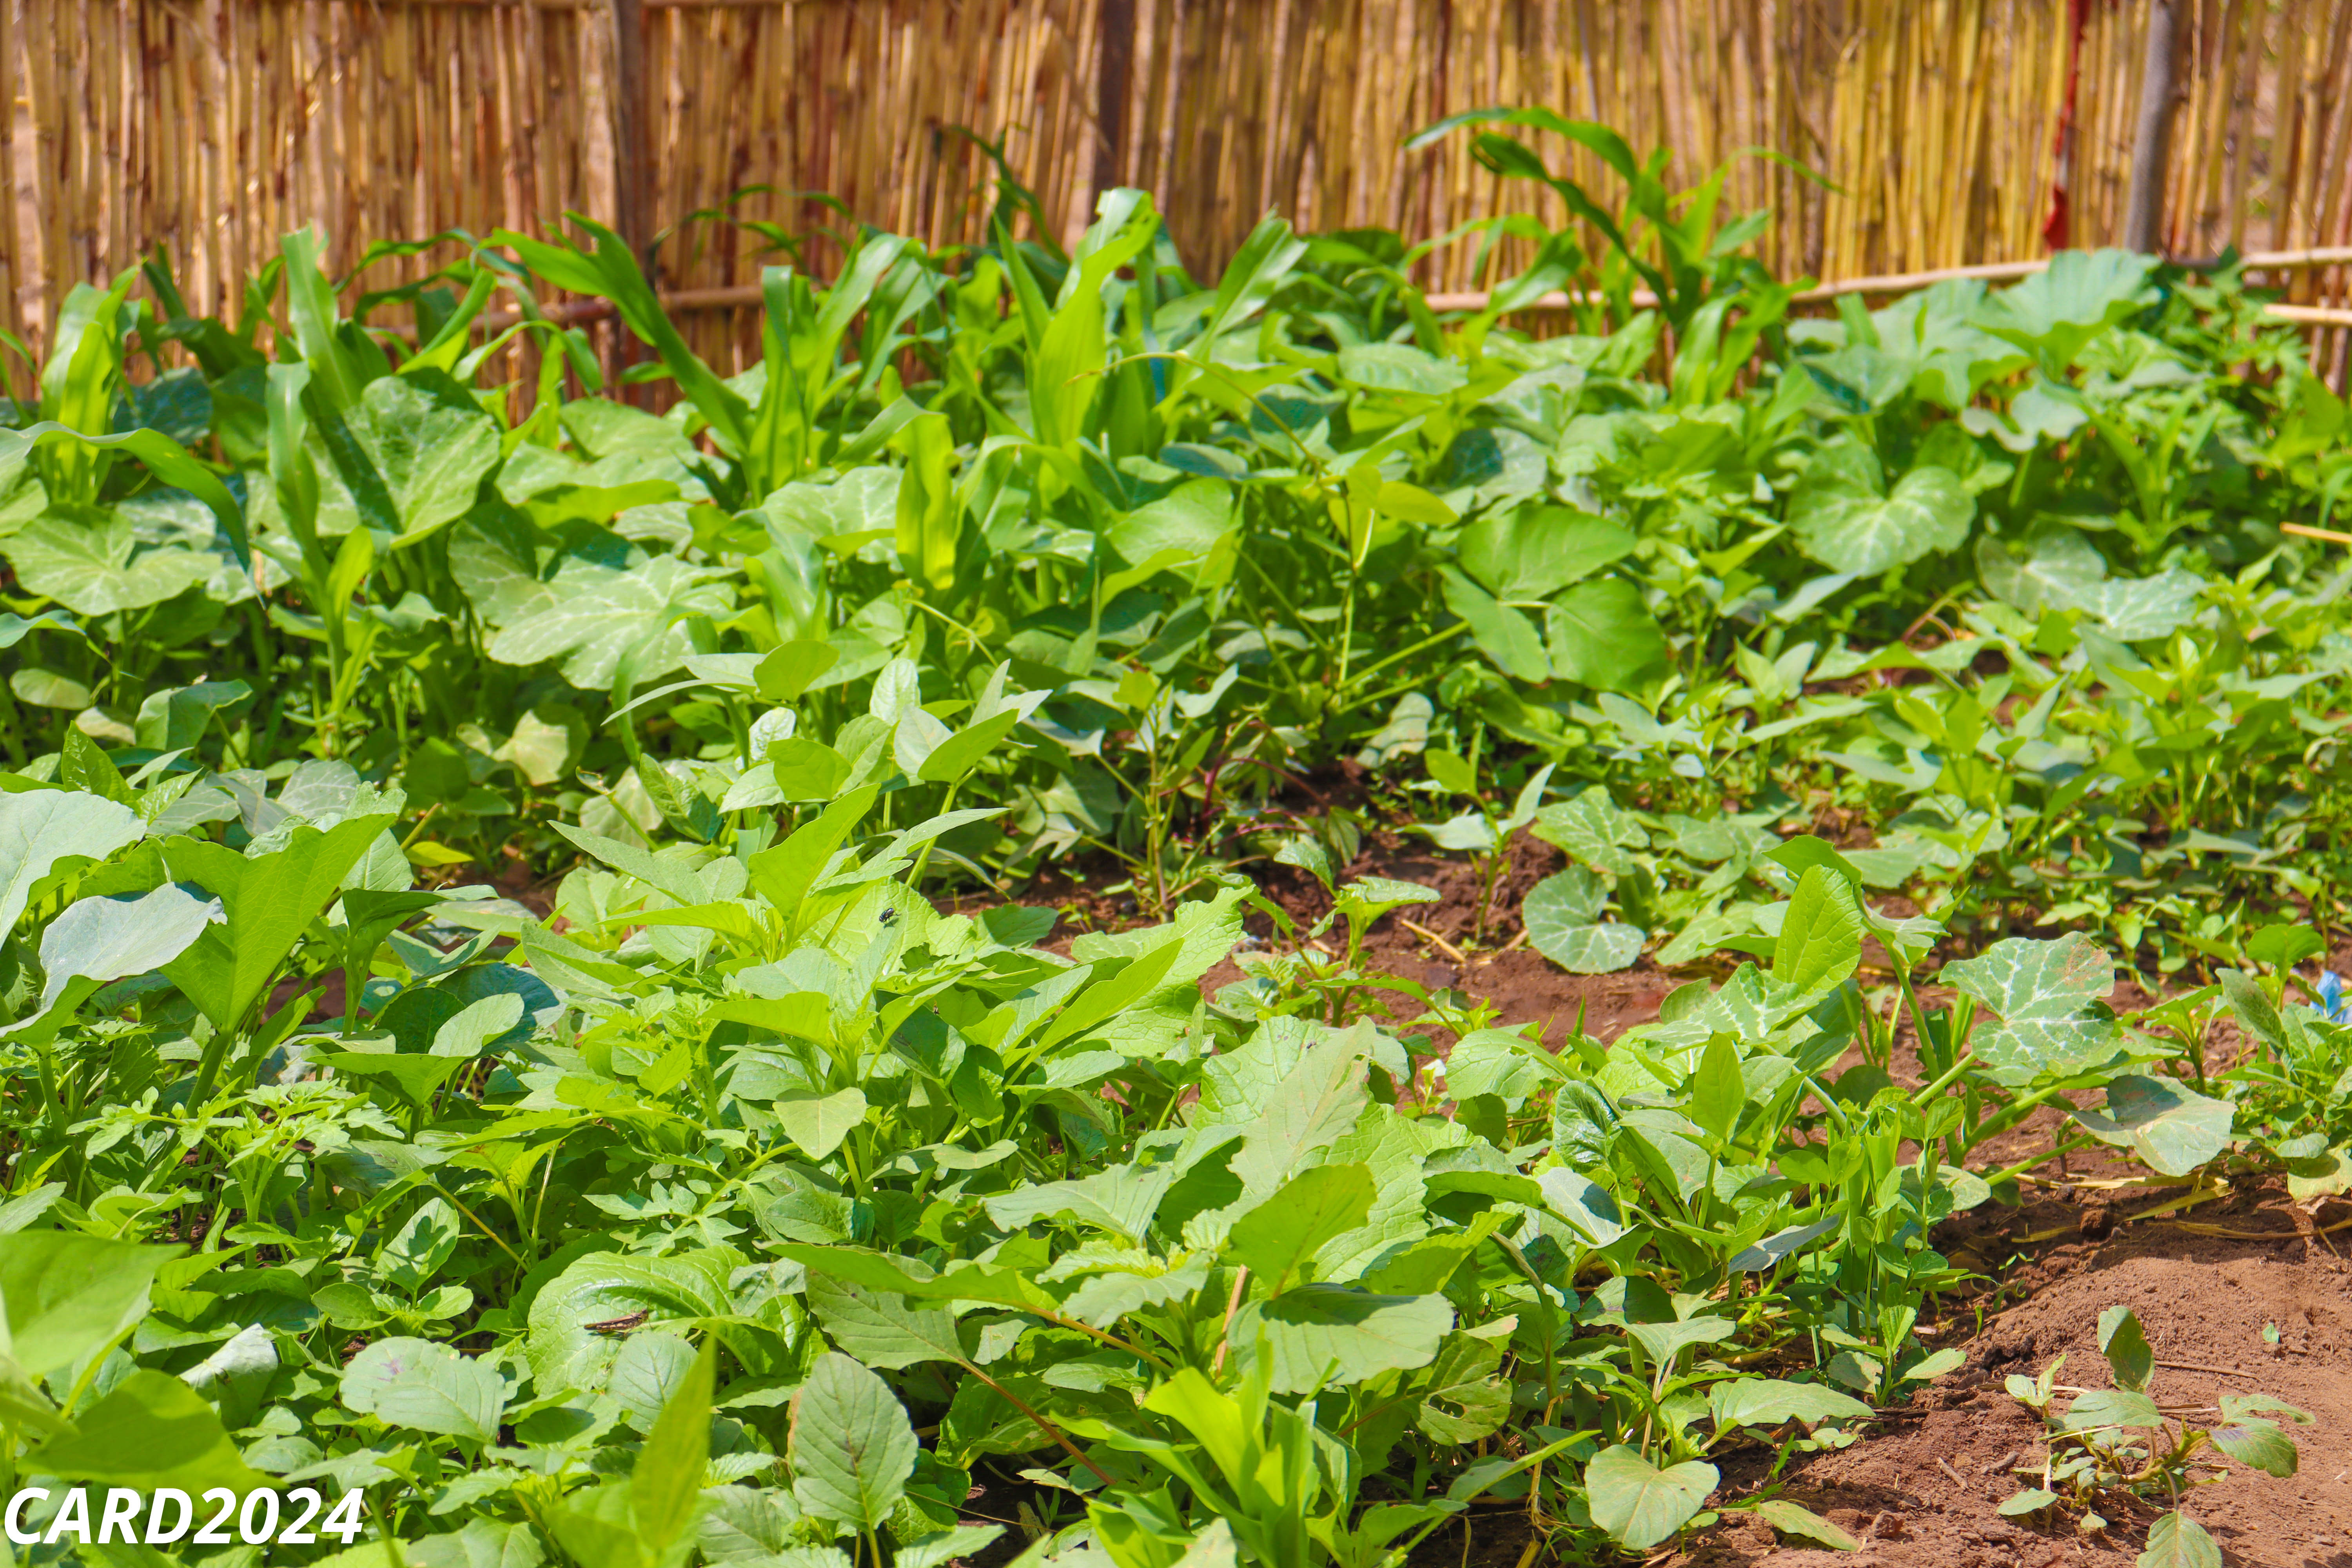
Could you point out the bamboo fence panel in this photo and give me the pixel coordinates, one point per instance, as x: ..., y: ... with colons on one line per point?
x: 209, y: 127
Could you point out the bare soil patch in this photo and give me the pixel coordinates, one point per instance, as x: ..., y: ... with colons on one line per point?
x: 1923, y: 1492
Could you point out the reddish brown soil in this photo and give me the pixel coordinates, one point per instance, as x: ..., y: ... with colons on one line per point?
x: 1922, y: 1493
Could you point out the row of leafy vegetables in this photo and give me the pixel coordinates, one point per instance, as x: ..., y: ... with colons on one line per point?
x: 751, y: 1206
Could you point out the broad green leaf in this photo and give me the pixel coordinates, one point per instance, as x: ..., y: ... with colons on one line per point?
x: 649, y: 1370
x: 783, y: 874
x: 149, y: 1430
x: 1673, y: 1157
x: 882, y: 1273
x: 2113, y: 1407
x: 2055, y: 568
x: 1820, y: 936
x: 49, y: 688
x: 405, y: 459
x: 1278, y: 1240
x: 2177, y: 1540
x: 564, y: 1349
x: 65, y: 1294
x: 15, y: 628
x: 419, y: 1247
x: 425, y: 1387
x: 787, y: 672
x: 674, y: 877
x: 1591, y: 828
x: 2017, y: 1505
x: 411, y: 1077
x: 2284, y: 946
x: 956, y: 755
x: 666, y: 1487
x: 1794, y: 1519
x: 1562, y: 914
x: 2146, y: 609
x: 478, y: 1026
x: 1503, y: 634
x: 176, y: 719
x: 818, y: 1122
x: 2172, y: 1127
x: 1106, y: 1298
x: 1463, y: 1400
x: 862, y: 505
x: 2262, y: 1444
x: 1638, y: 1504
x: 1844, y: 519
x: 1400, y: 368
x: 1531, y: 552
x: 2126, y: 1348
x: 95, y: 565
x: 1718, y: 1091
x: 1857, y: 379
x: 103, y: 939
x: 1318, y: 1334
x: 1601, y: 635
x: 946, y: 1548
x: 269, y: 899
x: 882, y: 1328
x: 590, y: 615
x: 1182, y: 527
x: 852, y: 1446
x: 1768, y: 1401
x: 41, y: 827
x: 1780, y: 1245
x: 1586, y: 1207
x: 482, y: 1543
x: 2056, y: 312
x: 2253, y: 1008
x: 2237, y: 1406
x: 2047, y: 994
x: 1122, y: 1199
x: 1664, y: 1341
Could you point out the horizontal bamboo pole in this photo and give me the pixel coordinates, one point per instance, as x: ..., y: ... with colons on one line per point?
x: 588, y: 5
x: 2311, y: 315
x: 1991, y: 271
x: 690, y: 301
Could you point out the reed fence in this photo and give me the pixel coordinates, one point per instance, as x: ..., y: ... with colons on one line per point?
x: 1953, y: 132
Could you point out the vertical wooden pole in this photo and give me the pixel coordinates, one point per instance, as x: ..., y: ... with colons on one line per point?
x: 632, y: 168
x: 1114, y: 79
x: 632, y: 172
x: 13, y: 250
x: 2151, y: 137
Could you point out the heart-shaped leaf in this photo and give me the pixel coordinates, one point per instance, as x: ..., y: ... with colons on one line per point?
x: 1844, y: 519
x: 1561, y: 914
x: 1640, y: 1505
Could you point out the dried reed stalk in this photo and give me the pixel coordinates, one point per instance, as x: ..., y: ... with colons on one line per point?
x: 214, y: 126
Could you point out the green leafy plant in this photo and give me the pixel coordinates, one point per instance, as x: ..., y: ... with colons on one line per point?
x: 2118, y: 1449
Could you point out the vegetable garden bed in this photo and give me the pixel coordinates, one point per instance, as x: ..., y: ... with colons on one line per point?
x: 1096, y: 919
